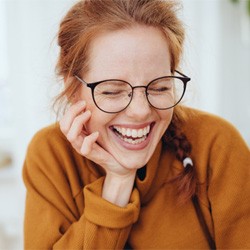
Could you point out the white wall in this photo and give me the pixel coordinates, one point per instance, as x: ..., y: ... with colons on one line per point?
x: 235, y: 67
x: 217, y: 57
x: 27, y: 59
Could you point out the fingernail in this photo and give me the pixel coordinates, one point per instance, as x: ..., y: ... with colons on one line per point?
x: 88, y: 112
x: 96, y: 133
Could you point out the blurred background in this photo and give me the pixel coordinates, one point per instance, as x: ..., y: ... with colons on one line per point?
x: 217, y: 58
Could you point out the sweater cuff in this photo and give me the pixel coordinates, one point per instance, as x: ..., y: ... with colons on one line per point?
x: 106, y: 214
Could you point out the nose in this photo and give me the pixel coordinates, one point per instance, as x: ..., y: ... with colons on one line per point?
x: 139, y: 109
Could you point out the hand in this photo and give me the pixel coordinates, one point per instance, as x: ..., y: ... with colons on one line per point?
x: 72, y: 126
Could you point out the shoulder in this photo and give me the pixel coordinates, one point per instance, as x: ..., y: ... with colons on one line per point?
x: 48, y: 143
x: 203, y: 127
x: 52, y: 163
x: 194, y: 117
x: 49, y: 133
x: 215, y: 142
x: 49, y: 152
x: 47, y: 137
x: 217, y: 145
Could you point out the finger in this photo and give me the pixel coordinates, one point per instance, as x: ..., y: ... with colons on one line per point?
x: 76, y: 128
x: 88, y: 143
x: 70, y: 115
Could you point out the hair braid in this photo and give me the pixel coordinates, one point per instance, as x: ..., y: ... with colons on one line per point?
x: 186, y: 180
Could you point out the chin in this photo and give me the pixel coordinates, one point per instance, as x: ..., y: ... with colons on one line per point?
x: 133, y: 164
x: 133, y: 161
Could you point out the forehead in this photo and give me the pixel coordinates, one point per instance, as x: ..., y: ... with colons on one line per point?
x: 136, y: 52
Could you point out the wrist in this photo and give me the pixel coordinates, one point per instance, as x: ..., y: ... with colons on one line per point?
x: 117, y: 189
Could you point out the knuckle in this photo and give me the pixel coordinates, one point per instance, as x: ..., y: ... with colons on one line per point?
x: 63, y: 127
x: 71, y: 108
x: 77, y: 120
x: 70, y: 137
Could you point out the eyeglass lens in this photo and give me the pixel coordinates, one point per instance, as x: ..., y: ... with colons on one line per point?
x: 115, y: 95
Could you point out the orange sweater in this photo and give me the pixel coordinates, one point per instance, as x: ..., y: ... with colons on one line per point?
x: 64, y: 208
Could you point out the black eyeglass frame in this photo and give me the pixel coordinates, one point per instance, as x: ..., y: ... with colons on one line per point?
x: 185, y: 79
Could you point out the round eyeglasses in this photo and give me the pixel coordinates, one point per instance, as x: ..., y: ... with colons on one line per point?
x: 113, y: 95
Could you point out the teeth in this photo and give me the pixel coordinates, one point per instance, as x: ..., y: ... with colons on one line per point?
x: 140, y: 133
x: 122, y: 131
x: 132, y: 141
x: 129, y: 132
x: 134, y: 133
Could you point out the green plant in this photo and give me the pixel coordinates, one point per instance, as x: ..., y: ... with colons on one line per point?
x: 247, y: 4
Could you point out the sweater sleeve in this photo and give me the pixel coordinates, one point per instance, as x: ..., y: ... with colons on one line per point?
x: 53, y: 219
x: 229, y: 189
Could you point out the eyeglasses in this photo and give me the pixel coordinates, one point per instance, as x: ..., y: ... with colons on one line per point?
x: 113, y: 95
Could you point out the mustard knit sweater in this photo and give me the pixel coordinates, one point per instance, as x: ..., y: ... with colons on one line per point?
x: 64, y: 208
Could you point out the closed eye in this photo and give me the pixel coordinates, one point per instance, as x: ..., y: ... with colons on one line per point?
x: 112, y: 92
x: 162, y: 89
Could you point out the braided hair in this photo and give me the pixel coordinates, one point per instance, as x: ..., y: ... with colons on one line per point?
x: 186, y: 180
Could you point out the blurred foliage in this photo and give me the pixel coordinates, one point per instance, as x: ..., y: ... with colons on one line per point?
x: 247, y: 4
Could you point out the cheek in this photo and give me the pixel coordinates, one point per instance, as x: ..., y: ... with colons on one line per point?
x: 166, y: 117
x: 94, y: 123
x: 85, y: 95
x: 98, y: 121
x: 165, y: 120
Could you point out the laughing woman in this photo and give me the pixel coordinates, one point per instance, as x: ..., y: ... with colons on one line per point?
x: 127, y: 166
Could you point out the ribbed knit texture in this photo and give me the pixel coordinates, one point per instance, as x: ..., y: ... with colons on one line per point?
x: 64, y: 208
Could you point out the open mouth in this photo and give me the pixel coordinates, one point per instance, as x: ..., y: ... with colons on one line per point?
x: 132, y: 136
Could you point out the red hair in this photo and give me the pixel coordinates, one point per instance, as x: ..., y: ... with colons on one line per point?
x: 87, y: 18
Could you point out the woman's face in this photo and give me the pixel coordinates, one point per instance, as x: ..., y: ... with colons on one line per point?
x: 136, y: 55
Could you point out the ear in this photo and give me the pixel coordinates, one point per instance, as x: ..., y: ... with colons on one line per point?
x: 71, y: 88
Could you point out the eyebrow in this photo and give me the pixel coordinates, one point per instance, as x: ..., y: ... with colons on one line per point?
x: 112, y: 81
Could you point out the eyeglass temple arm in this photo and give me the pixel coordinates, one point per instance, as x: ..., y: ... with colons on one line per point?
x: 81, y: 80
x: 181, y: 73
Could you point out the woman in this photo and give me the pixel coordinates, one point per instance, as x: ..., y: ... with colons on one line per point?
x: 126, y: 167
